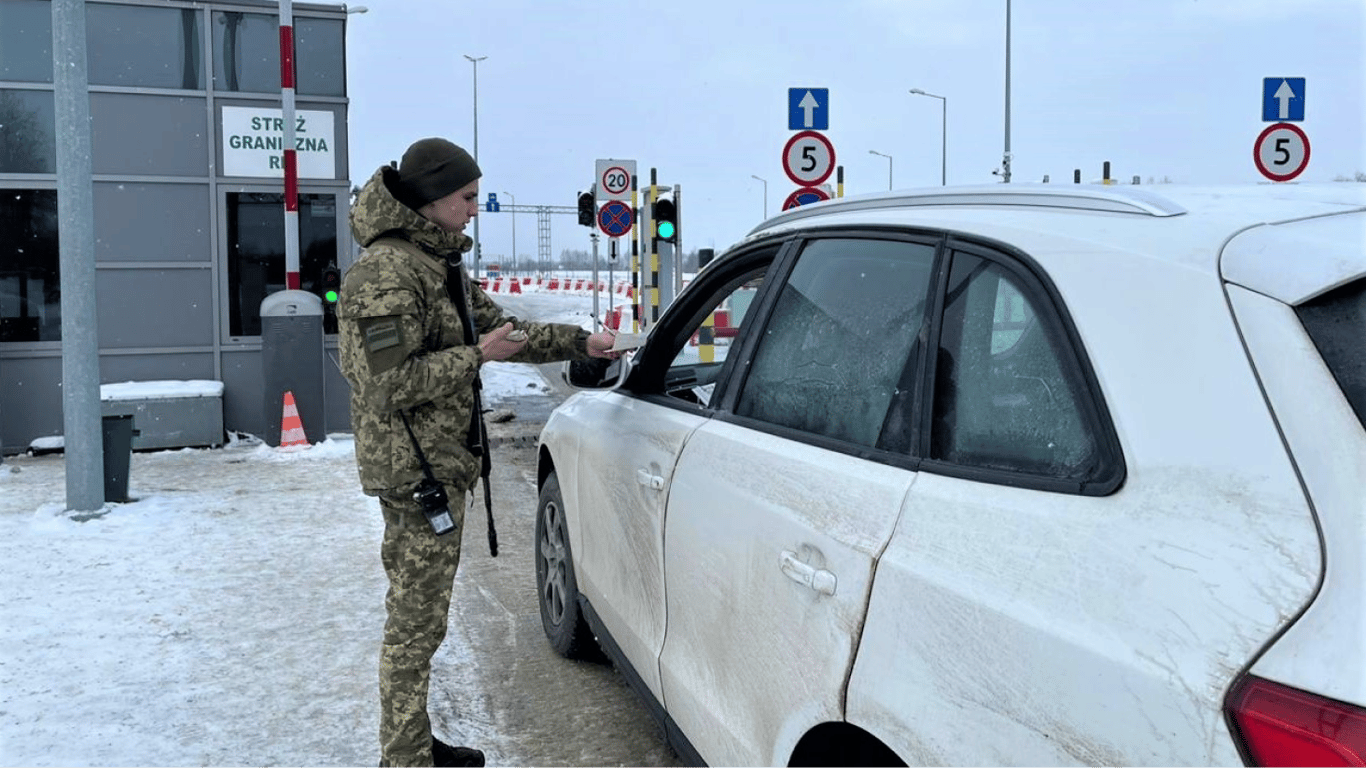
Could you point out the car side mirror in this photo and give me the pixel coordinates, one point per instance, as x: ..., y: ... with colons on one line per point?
x: 596, y: 372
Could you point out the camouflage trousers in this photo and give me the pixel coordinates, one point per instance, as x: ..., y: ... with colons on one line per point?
x: 421, y: 569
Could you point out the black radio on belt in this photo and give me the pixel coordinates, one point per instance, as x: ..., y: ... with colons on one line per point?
x: 431, y: 496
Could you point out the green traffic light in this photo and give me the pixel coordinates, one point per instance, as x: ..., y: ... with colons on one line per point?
x: 666, y: 229
x: 331, y: 297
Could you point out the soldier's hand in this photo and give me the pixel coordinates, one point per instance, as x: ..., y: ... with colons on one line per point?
x: 497, y: 346
x: 600, y: 345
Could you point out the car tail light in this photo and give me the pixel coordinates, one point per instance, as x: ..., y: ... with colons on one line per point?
x: 1284, y: 726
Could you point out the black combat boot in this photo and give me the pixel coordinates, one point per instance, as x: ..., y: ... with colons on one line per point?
x: 444, y: 755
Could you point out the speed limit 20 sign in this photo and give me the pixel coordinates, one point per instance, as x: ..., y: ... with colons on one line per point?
x: 1281, y: 152
x: 808, y: 158
x: 614, y: 179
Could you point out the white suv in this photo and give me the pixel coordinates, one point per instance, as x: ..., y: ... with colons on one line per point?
x: 1020, y: 474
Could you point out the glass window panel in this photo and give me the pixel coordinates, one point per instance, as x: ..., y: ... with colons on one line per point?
x: 139, y: 46
x: 832, y: 357
x: 699, y: 362
x: 246, y: 52
x: 28, y: 141
x: 30, y: 291
x: 26, y: 41
x: 1004, y: 399
x: 1336, y: 321
x: 319, y: 57
x: 256, y: 253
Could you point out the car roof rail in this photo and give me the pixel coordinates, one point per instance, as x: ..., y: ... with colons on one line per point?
x: 1089, y: 197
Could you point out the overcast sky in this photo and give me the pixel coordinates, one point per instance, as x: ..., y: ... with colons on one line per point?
x: 699, y: 90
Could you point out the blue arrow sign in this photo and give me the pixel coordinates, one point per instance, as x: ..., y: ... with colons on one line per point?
x: 492, y: 205
x: 1282, y: 99
x: 808, y: 109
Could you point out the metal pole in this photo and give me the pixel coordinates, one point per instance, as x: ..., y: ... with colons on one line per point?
x: 943, y: 134
x: 943, y: 141
x: 889, y: 166
x: 475, y: 61
x: 1005, y: 161
x: 765, y: 181
x: 514, y: 231
x: 596, y: 326
x: 81, y: 422
x: 291, y: 161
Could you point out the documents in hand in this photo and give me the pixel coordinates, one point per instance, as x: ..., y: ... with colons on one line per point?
x: 626, y: 341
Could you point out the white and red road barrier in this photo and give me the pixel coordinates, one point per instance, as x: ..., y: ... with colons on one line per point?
x: 569, y: 285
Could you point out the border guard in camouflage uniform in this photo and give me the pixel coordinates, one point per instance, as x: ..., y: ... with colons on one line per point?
x: 406, y: 350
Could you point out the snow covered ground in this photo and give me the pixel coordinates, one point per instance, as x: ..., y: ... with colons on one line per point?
x: 230, y: 615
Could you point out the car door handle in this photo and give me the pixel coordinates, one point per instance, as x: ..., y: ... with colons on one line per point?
x: 817, y: 579
x: 649, y: 481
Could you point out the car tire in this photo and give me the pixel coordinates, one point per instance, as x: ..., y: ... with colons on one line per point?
x: 556, y: 588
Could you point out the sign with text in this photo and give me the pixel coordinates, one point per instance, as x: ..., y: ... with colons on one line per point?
x: 808, y: 158
x: 253, y: 142
x: 613, y: 179
x: 1281, y: 152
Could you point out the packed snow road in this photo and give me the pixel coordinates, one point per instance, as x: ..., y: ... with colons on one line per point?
x: 232, y: 614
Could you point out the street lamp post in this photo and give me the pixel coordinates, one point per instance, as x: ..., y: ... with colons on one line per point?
x: 889, y: 166
x: 943, y: 133
x: 765, y: 182
x: 1005, y: 160
x: 514, y: 231
x: 475, y: 61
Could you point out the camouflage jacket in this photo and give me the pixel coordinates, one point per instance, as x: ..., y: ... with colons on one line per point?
x: 403, y: 346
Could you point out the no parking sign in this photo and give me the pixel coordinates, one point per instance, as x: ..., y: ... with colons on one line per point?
x: 804, y: 196
x: 615, y: 218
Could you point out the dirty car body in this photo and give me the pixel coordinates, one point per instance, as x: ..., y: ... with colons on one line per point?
x: 1029, y: 475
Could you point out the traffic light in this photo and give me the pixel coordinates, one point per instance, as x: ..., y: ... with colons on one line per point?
x: 330, y: 284
x: 587, y: 209
x: 666, y: 219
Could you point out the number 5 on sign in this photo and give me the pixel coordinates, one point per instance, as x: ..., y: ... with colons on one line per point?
x: 808, y: 158
x: 1281, y: 152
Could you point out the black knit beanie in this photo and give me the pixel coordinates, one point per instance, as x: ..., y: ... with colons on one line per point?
x: 433, y: 168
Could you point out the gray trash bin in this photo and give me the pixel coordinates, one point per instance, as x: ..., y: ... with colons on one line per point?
x: 118, y: 456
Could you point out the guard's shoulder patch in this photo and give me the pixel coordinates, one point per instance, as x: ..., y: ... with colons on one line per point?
x: 380, y: 333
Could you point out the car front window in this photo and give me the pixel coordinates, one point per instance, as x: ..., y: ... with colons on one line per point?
x: 832, y: 356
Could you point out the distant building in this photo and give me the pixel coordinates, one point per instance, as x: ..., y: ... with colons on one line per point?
x: 185, y: 104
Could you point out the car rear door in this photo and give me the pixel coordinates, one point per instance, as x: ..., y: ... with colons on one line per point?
x: 781, y: 505
x: 1081, y: 568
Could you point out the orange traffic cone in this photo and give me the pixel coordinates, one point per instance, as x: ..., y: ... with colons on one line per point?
x: 291, y: 426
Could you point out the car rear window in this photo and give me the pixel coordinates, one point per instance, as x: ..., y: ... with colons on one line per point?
x: 1336, y: 321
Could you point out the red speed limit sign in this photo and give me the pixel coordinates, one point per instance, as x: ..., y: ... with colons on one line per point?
x: 808, y: 158
x: 1281, y: 152
x: 614, y: 179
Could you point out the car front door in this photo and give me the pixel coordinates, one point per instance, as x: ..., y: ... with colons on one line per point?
x: 781, y: 504
x: 628, y: 444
